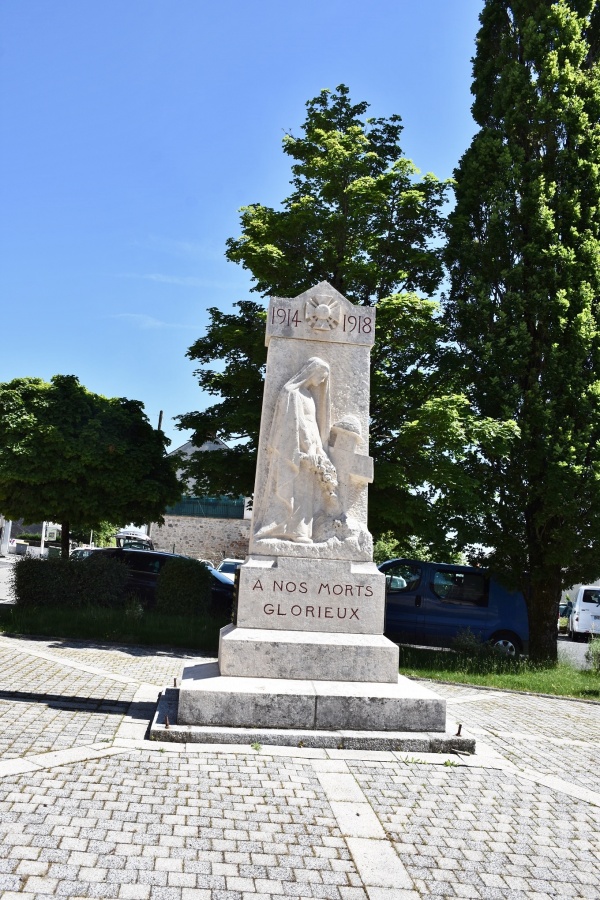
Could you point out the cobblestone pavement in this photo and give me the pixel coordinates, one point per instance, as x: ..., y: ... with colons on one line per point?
x: 551, y: 735
x: 140, y: 664
x: 88, y: 808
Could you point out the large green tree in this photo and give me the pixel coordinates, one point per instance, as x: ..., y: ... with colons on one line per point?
x: 524, y: 300
x: 74, y: 457
x: 359, y: 217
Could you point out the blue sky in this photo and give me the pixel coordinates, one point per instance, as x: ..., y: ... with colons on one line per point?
x: 133, y: 130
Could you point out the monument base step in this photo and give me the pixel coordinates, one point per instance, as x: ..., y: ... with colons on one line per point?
x: 164, y: 728
x: 312, y: 656
x: 208, y: 698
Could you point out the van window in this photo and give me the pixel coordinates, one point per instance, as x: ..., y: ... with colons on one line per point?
x: 591, y: 597
x: 403, y: 577
x: 468, y: 588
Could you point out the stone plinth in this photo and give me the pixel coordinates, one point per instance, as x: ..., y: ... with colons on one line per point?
x: 258, y: 652
x: 206, y: 697
x: 163, y: 728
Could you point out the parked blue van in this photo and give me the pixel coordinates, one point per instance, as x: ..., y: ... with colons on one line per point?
x: 428, y: 603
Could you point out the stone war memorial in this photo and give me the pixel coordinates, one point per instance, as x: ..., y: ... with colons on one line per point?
x: 305, y: 660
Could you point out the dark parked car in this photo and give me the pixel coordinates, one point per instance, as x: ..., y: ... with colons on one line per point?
x: 429, y: 603
x: 144, y: 567
x: 223, y: 589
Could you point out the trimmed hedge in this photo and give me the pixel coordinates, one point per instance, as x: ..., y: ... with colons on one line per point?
x: 184, y: 588
x: 55, y: 582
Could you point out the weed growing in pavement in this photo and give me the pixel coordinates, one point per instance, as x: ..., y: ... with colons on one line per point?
x: 256, y: 746
x: 450, y: 762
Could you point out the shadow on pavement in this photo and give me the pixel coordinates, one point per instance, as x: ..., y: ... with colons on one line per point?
x: 131, y: 649
x: 58, y: 701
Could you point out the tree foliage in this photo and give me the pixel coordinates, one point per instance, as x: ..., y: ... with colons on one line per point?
x: 239, y: 341
x: 357, y: 217
x: 102, y: 535
x: 70, y: 456
x: 524, y: 259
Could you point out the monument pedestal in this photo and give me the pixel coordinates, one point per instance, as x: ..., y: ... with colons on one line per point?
x: 207, y: 697
x: 308, y: 654
x: 315, y: 656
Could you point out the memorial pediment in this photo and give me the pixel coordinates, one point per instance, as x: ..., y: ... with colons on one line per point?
x: 320, y: 314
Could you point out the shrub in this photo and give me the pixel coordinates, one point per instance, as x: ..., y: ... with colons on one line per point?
x: 29, y: 536
x: 101, y: 581
x: 32, y: 585
x: 56, y: 582
x: 593, y: 655
x: 470, y: 644
x: 184, y: 588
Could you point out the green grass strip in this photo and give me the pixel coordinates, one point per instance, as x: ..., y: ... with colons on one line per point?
x: 504, y: 673
x: 121, y: 626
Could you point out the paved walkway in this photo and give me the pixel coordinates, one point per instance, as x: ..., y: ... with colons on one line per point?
x: 90, y: 809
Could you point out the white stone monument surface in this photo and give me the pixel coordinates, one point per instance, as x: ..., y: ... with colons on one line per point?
x: 307, y: 649
x: 313, y: 465
x: 293, y: 593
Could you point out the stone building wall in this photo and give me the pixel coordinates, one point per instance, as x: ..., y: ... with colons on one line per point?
x: 211, y: 539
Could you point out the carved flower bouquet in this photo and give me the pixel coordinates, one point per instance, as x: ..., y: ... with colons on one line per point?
x: 327, y: 474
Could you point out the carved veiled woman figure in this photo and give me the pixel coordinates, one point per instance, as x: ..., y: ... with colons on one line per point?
x: 301, y: 479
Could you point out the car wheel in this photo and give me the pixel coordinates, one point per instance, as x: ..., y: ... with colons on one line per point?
x: 506, y: 642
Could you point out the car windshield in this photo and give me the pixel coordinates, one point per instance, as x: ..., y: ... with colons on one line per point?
x: 220, y: 577
x: 230, y: 567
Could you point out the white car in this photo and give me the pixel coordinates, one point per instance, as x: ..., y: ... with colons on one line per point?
x: 228, y: 567
x: 584, y: 620
x: 81, y: 553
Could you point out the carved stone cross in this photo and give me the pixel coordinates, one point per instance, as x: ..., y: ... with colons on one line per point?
x: 350, y: 465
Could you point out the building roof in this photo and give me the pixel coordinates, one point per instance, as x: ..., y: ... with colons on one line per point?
x: 188, y: 448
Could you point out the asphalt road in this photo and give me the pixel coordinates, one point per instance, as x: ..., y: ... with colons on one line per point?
x: 573, y: 652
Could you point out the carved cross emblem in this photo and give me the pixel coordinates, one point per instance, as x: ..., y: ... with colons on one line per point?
x: 322, y: 314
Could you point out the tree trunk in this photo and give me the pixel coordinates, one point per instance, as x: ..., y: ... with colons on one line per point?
x: 64, y: 540
x: 542, y: 604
